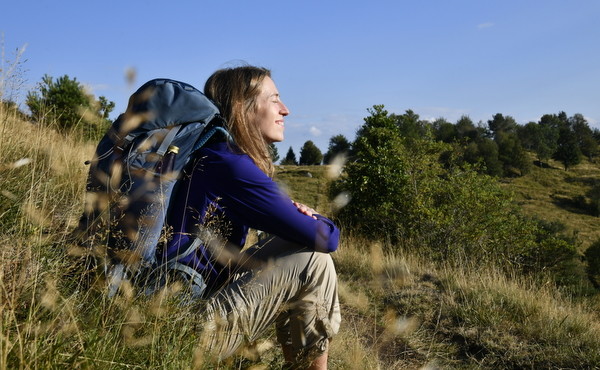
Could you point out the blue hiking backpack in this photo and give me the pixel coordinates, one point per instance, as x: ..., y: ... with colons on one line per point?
x: 134, y: 175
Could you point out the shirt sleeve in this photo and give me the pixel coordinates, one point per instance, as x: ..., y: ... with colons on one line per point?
x: 250, y: 197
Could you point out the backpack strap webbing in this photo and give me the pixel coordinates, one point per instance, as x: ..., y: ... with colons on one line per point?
x: 164, y: 146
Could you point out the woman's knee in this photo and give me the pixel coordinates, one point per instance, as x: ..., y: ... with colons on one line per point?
x: 324, y: 261
x: 321, y: 267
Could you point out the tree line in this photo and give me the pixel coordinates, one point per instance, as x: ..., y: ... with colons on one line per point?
x: 498, y: 147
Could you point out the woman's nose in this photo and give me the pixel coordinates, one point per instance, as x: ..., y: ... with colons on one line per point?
x: 283, y: 110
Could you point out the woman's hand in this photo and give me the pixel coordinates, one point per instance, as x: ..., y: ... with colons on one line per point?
x: 306, y: 210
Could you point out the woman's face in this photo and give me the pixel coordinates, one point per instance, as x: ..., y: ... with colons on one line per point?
x: 270, y: 112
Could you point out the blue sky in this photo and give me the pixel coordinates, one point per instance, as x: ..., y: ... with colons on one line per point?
x: 331, y: 60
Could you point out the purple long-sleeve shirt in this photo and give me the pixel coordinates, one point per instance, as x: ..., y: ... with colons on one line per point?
x: 227, y: 189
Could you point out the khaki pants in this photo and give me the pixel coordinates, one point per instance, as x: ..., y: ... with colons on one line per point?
x: 293, y: 287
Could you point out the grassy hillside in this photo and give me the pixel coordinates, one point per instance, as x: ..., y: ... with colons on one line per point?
x: 556, y: 195
x: 306, y: 184
x: 399, y: 310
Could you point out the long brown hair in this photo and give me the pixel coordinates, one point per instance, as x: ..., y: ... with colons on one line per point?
x: 234, y: 91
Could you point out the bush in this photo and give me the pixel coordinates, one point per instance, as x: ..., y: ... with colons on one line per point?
x: 66, y: 103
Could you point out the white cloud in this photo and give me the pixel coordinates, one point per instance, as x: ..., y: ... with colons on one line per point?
x: 485, y: 25
x: 314, y: 131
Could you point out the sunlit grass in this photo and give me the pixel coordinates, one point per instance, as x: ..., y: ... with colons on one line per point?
x: 511, y: 322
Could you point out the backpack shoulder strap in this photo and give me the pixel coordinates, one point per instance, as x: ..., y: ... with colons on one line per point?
x: 205, y: 137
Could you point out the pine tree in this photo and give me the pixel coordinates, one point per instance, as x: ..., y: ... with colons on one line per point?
x: 310, y: 155
x: 290, y: 158
x: 338, y: 145
x: 274, y: 152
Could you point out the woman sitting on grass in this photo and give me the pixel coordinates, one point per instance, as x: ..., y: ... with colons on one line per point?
x: 288, y: 277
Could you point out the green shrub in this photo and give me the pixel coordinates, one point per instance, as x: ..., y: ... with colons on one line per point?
x: 65, y: 102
